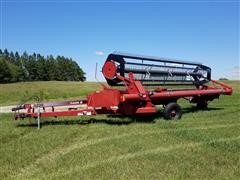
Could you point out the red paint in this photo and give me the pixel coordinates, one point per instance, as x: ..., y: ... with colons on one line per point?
x: 135, y: 99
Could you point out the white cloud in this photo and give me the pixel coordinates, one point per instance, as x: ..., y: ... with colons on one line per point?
x: 99, y: 53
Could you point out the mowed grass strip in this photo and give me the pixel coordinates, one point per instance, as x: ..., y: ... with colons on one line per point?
x: 79, y: 144
x: 105, y: 141
x: 81, y: 160
x: 202, y: 145
x: 159, y: 150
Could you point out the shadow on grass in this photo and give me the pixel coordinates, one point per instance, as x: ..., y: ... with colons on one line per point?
x: 195, y: 109
x: 111, y: 119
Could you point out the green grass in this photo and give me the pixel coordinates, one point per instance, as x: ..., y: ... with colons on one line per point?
x: 11, y: 94
x: 202, y: 145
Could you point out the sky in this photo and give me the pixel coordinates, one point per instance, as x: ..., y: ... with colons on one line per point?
x: 87, y: 31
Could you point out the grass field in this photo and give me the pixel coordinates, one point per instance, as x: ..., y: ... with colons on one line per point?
x: 14, y: 93
x: 202, y: 145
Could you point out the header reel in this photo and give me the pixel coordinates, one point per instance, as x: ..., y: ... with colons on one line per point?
x: 153, y: 71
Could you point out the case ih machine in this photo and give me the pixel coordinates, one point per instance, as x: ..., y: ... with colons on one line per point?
x: 137, y: 73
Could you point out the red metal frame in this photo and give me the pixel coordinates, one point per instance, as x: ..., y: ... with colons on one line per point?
x: 135, y: 99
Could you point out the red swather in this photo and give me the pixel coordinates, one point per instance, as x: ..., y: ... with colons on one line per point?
x: 135, y: 99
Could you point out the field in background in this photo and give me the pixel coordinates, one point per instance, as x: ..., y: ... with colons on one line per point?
x: 14, y: 93
x: 202, y: 145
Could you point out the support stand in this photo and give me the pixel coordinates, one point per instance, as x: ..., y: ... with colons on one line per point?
x: 38, y: 117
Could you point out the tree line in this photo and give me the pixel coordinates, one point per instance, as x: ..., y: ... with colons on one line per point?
x: 15, y: 67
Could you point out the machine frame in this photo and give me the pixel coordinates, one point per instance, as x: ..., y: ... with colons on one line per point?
x: 135, y: 99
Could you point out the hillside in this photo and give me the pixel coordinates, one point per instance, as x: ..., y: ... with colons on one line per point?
x: 47, y: 90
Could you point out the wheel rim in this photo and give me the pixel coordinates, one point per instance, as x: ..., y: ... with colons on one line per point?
x: 173, y: 114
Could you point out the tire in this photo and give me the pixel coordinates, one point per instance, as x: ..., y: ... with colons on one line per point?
x: 202, y: 104
x: 172, y: 111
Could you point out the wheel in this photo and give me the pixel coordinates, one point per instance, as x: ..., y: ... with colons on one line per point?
x: 202, y: 104
x: 172, y: 111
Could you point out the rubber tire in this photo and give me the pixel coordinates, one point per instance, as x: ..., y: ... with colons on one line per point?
x: 202, y: 104
x: 170, y: 107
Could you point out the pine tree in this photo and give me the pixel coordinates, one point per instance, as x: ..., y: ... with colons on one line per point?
x: 15, y: 67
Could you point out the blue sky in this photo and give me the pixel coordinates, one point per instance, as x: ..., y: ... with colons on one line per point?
x: 202, y: 31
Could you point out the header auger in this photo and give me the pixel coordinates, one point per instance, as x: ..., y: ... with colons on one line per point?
x: 136, y: 73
